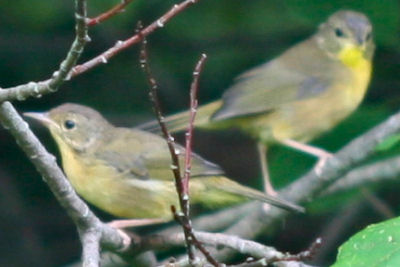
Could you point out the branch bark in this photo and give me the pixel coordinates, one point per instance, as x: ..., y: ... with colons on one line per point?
x: 37, y: 89
x: 309, y: 186
x: 67, y: 69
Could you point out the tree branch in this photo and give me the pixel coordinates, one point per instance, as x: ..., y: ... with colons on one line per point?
x: 252, y: 220
x: 240, y: 245
x: 182, y: 184
x: 310, y: 185
x: 66, y: 72
x: 46, y: 165
x: 90, y: 240
x: 38, y: 89
x: 384, y: 170
x: 122, y: 45
x: 109, y: 13
x: 194, y: 88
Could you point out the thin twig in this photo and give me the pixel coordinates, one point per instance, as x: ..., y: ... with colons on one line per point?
x: 238, y: 244
x: 310, y: 185
x: 46, y: 164
x: 109, y: 13
x: 194, y: 88
x: 122, y: 45
x: 181, y: 186
x: 66, y: 72
x: 175, y: 167
x: 168, y: 137
x: 307, y: 254
x: 184, y: 194
x: 384, y: 170
x: 37, y: 89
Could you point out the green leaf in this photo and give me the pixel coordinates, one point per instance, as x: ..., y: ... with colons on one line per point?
x: 388, y: 143
x: 376, y: 245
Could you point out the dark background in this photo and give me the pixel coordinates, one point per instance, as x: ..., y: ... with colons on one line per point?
x: 236, y: 35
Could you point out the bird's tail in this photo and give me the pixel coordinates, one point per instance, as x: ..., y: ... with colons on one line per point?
x: 220, y: 190
x: 179, y: 121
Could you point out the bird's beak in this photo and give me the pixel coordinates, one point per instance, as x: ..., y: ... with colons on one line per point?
x: 42, y: 117
x: 360, y: 40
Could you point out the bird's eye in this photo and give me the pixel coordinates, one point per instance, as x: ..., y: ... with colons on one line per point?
x: 69, y: 124
x: 339, y: 32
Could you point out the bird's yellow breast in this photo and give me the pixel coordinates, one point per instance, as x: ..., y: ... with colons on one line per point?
x: 305, y: 119
x: 115, y: 192
x: 352, y: 57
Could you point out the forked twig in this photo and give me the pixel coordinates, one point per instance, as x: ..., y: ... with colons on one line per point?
x: 182, y: 184
x: 307, y: 254
x: 170, y: 140
x: 122, y: 45
x: 194, y: 88
x: 67, y: 71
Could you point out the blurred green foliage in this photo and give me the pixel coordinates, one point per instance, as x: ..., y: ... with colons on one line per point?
x: 236, y: 35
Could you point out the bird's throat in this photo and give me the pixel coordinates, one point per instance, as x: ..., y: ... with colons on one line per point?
x: 353, y: 57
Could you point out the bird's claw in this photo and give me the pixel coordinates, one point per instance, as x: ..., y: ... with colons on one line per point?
x: 321, y: 163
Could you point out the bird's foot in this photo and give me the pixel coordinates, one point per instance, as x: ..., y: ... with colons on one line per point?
x: 321, y: 162
x: 269, y: 190
x: 121, y: 224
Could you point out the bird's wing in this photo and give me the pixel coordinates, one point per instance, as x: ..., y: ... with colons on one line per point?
x: 269, y: 86
x: 146, y: 156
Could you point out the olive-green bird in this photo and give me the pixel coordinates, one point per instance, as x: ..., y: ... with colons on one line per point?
x: 298, y: 95
x: 127, y: 172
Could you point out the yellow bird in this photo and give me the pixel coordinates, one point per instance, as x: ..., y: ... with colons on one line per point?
x: 127, y: 172
x: 298, y: 95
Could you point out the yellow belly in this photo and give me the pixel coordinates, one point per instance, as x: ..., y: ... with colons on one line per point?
x: 123, y: 195
x: 306, y: 119
x: 114, y: 192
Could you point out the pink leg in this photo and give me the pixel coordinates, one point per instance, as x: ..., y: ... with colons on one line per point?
x: 262, y: 152
x: 120, y: 224
x: 134, y: 223
x: 321, y: 154
x: 268, y: 188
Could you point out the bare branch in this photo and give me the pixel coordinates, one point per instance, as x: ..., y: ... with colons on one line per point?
x: 66, y: 70
x: 309, y: 186
x: 307, y: 254
x: 46, y: 164
x: 243, y: 246
x: 38, y: 89
x: 194, y: 88
x: 109, y: 13
x: 184, y: 194
x: 170, y: 142
x: 182, y: 184
x: 89, y: 226
x: 90, y: 239
x: 384, y: 170
x: 183, y: 188
x: 252, y: 221
x: 260, y: 255
x: 122, y: 45
x: 158, y: 111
